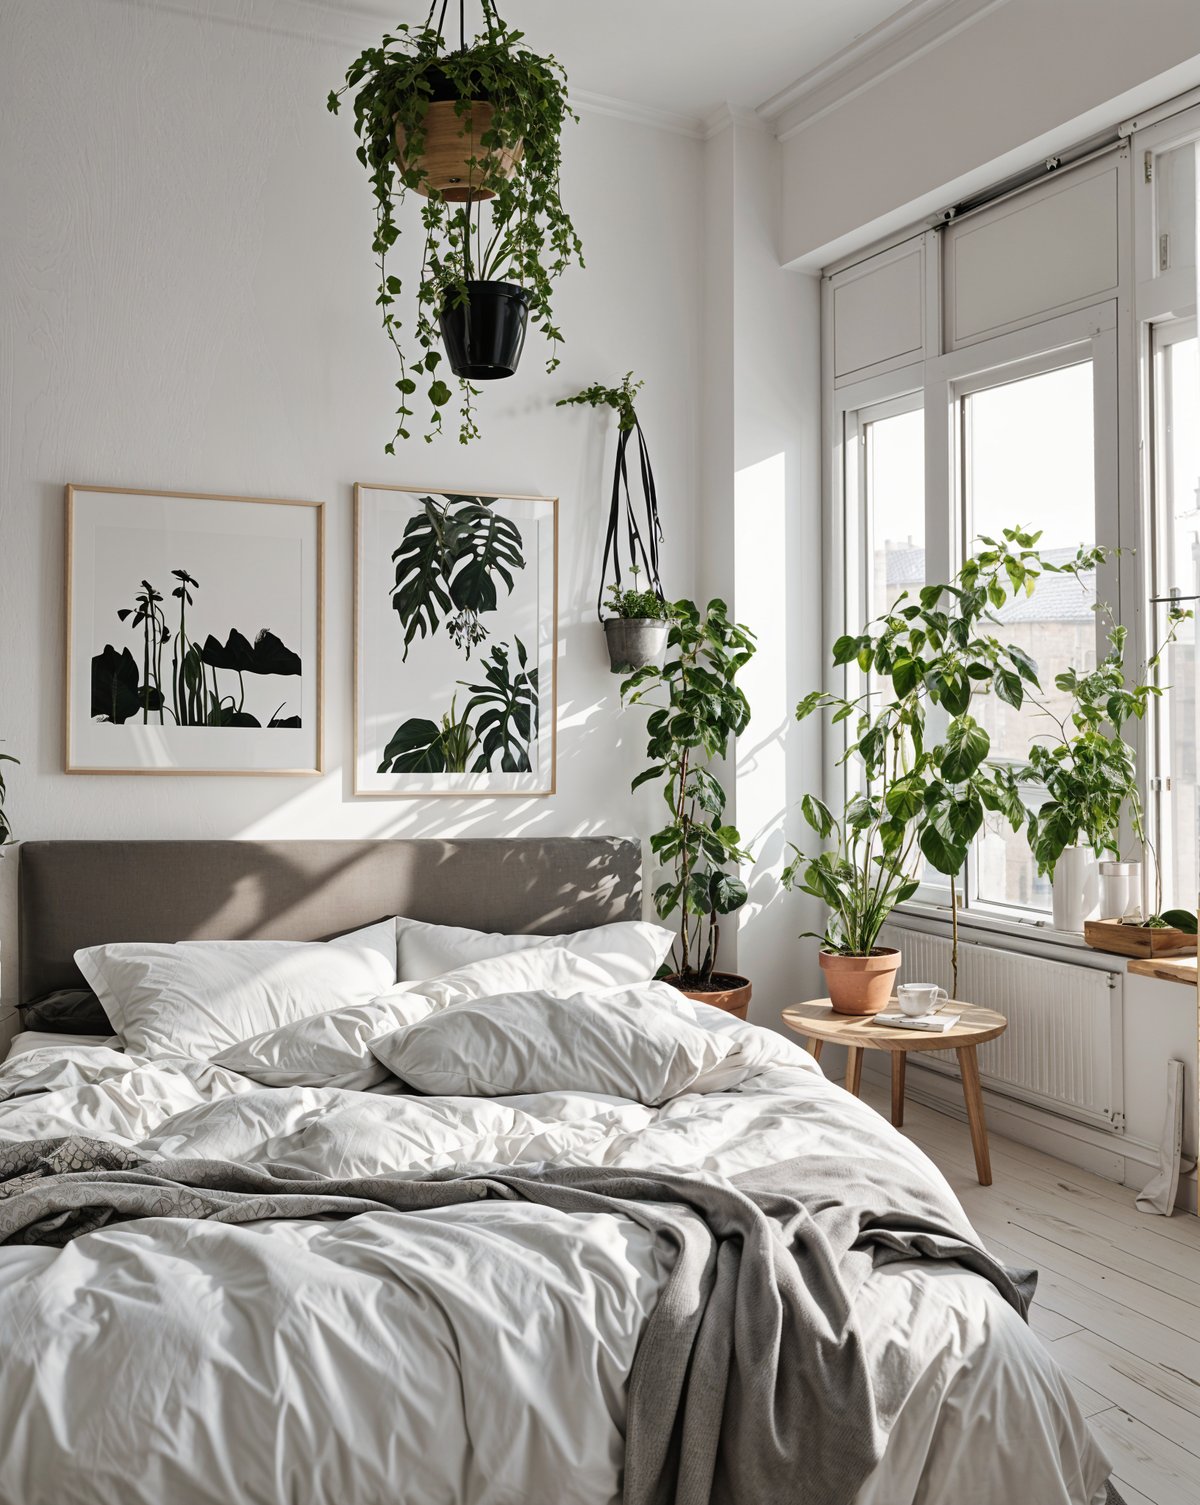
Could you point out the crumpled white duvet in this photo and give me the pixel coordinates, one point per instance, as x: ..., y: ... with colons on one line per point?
x: 476, y: 1355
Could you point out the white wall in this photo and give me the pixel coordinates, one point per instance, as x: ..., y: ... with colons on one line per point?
x: 1025, y: 79
x: 762, y: 530
x: 186, y: 302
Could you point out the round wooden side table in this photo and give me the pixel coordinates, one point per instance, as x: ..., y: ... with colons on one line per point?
x: 817, y: 1021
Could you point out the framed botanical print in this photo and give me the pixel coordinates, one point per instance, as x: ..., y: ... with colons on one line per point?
x: 194, y: 633
x: 455, y: 646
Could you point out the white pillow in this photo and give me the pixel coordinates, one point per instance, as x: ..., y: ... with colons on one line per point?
x: 196, y: 998
x: 624, y: 1042
x: 632, y: 948
x: 327, y: 1050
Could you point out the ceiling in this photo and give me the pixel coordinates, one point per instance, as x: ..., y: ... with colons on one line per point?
x: 684, y: 58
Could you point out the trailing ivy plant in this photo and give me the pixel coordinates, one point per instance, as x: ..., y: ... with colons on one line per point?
x: 525, y: 236
x: 644, y: 537
x: 1087, y: 768
x: 696, y: 707
x: 6, y: 834
x: 921, y: 770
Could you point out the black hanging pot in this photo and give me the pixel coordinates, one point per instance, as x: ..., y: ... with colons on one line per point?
x: 485, y: 333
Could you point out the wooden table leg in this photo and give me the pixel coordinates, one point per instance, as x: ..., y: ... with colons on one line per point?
x: 973, y: 1094
x: 854, y: 1057
x: 814, y: 1047
x: 899, y: 1058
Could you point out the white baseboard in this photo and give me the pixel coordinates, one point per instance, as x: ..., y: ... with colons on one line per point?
x: 1117, y: 1157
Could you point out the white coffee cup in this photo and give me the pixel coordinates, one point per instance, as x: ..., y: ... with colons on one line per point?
x: 917, y: 998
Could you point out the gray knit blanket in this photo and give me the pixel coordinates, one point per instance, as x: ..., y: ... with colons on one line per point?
x: 750, y: 1382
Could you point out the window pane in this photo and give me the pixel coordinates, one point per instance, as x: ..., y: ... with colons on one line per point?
x: 1030, y: 461
x: 895, y: 497
x: 1177, y: 492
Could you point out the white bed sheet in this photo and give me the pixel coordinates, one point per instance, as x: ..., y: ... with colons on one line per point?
x: 476, y: 1356
x: 33, y: 1039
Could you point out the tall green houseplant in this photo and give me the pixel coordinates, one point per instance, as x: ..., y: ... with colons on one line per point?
x: 919, y: 763
x: 696, y: 708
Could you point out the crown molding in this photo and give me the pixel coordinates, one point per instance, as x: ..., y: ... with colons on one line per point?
x: 725, y: 116
x: 354, y: 24
x: 918, y: 28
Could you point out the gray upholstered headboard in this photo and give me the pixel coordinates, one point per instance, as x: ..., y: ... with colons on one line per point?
x: 84, y: 893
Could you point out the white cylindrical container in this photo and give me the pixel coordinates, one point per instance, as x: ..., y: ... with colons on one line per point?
x: 1120, y: 889
x: 1076, y: 888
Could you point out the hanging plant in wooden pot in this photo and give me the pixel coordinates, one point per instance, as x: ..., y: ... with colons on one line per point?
x: 637, y: 620
x: 477, y: 133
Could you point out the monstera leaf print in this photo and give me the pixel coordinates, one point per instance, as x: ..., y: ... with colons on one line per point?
x: 505, y: 712
x: 117, y: 692
x: 451, y: 556
x: 421, y: 746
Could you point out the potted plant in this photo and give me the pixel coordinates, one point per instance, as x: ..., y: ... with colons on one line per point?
x: 915, y: 797
x: 6, y: 835
x: 696, y: 707
x: 476, y: 127
x: 1089, y: 774
x: 635, y: 627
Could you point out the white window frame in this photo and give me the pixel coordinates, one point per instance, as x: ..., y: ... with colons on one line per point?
x: 1092, y: 332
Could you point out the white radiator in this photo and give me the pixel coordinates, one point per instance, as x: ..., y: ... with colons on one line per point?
x: 1062, y: 1047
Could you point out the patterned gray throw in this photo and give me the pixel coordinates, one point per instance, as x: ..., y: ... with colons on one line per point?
x: 750, y: 1381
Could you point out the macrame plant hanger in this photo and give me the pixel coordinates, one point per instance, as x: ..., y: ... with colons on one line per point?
x: 643, y: 550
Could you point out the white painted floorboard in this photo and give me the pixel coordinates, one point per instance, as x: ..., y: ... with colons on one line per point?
x: 1118, y: 1300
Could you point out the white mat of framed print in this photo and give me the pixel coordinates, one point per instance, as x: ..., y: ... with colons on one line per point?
x: 455, y: 646
x: 193, y: 633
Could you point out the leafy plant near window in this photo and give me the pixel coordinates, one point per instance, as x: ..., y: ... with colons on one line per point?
x: 499, y: 723
x: 526, y: 237
x: 450, y: 557
x: 920, y: 797
x: 696, y: 707
x: 188, y: 689
x: 6, y: 834
x: 1088, y: 769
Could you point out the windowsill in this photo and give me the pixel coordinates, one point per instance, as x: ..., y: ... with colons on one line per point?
x: 1066, y: 946
x: 1166, y: 969
x: 1037, y: 933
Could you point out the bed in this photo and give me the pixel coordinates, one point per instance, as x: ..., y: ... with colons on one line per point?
x: 478, y: 1352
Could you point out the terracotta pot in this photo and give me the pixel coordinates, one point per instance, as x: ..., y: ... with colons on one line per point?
x: 729, y: 992
x: 451, y: 141
x: 860, y: 984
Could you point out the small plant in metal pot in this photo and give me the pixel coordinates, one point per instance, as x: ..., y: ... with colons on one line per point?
x: 696, y: 708
x: 1088, y: 771
x: 476, y: 132
x: 915, y: 798
x: 635, y: 627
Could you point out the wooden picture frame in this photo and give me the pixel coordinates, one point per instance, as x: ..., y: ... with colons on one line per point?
x: 246, y: 695
x: 455, y: 648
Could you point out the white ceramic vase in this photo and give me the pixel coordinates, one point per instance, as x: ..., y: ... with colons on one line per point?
x: 1076, y: 887
x: 1120, y: 889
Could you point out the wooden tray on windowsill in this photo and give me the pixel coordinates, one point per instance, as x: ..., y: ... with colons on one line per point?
x: 1121, y: 939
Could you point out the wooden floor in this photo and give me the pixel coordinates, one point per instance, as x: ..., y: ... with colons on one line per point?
x: 1118, y: 1298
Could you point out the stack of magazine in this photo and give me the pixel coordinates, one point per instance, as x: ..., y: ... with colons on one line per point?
x: 933, y: 1024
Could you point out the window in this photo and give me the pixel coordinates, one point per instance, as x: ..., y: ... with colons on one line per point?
x: 1176, y: 575
x: 1028, y: 458
x: 894, y: 502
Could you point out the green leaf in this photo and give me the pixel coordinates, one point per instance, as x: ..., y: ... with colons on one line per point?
x: 817, y: 815
x: 1009, y: 687
x: 1181, y: 919
x: 967, y: 744
x: 942, y: 855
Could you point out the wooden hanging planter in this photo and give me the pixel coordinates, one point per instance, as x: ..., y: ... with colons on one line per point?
x: 452, y: 142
